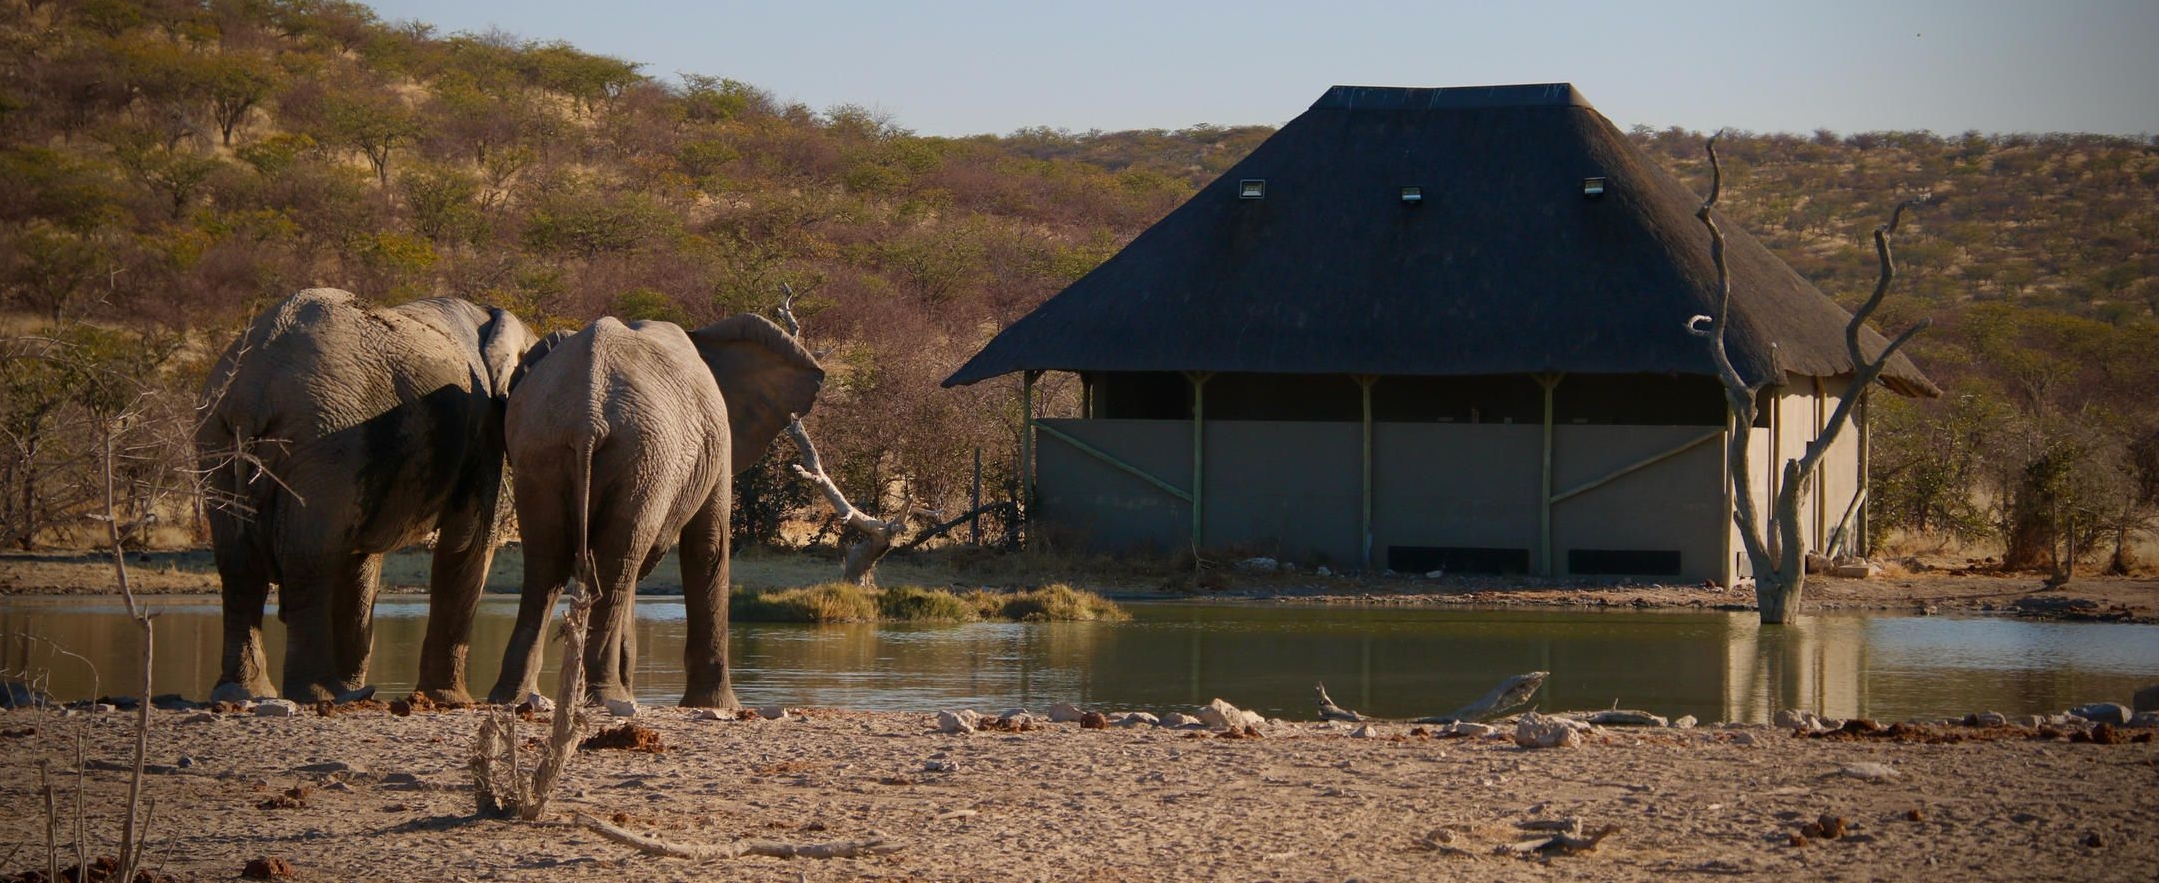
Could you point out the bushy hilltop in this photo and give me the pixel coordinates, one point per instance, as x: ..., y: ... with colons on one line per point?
x: 167, y: 168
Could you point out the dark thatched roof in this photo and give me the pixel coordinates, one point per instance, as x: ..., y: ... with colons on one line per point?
x: 1505, y: 266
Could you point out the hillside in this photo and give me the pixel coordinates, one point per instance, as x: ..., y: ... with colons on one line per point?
x: 167, y: 168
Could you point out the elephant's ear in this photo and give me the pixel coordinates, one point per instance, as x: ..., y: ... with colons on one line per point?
x: 503, y: 345
x: 533, y: 356
x: 765, y: 375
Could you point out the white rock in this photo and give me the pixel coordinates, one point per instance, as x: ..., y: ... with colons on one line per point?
x: 711, y: 714
x: 277, y: 708
x: 1684, y: 722
x: 962, y: 721
x: 1259, y: 565
x: 1872, y: 772
x: 1139, y: 719
x: 1223, y: 716
x: 539, y: 702
x: 200, y: 717
x: 773, y: 712
x: 1365, y: 731
x: 1435, y: 574
x: 1534, y: 730
x: 1178, y: 719
x: 1797, y: 719
x: 1322, y: 570
x: 1472, y: 730
x: 621, y: 707
x: 1065, y: 713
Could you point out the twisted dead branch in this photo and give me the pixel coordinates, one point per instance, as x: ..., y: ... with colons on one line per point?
x: 860, y: 559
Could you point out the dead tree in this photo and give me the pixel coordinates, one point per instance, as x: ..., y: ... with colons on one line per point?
x: 1780, y: 571
x: 874, y: 536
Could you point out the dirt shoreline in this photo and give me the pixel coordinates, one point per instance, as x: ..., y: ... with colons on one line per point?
x: 1938, y: 590
x: 367, y: 795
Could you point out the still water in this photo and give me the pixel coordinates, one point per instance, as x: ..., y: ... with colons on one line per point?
x: 1389, y: 661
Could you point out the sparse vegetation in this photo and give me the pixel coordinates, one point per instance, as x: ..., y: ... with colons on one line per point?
x: 167, y: 169
x: 845, y: 602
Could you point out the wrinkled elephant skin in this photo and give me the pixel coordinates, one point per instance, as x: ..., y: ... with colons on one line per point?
x: 625, y: 439
x: 334, y: 433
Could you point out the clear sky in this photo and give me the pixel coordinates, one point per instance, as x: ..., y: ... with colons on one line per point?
x: 962, y: 67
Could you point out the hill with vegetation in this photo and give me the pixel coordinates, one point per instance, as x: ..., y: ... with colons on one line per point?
x: 168, y: 168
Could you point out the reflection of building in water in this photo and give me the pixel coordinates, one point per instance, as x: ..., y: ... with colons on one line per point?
x: 1815, y: 664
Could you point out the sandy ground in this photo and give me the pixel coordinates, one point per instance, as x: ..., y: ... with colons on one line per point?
x: 372, y: 796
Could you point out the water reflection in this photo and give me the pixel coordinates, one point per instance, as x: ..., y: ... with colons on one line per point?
x: 1397, y: 662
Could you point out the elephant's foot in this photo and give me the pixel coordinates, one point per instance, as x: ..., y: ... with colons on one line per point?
x: 360, y: 695
x: 452, y: 697
x: 329, y: 691
x: 710, y: 697
x: 232, y: 691
x: 605, y: 693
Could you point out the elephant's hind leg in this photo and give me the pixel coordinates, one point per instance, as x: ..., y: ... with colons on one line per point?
x: 704, y: 551
x: 453, y: 599
x: 327, y: 603
x: 243, y: 673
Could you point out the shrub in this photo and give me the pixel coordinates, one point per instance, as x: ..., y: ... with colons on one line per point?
x: 1056, y: 602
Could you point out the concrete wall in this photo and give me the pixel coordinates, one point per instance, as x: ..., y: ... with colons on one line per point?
x: 1293, y: 490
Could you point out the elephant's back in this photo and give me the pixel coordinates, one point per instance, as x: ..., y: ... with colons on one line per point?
x: 321, y: 362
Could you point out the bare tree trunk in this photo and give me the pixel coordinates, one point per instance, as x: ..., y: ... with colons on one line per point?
x: 1778, y: 551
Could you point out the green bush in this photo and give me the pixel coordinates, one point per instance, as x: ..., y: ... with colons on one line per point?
x: 831, y: 602
x: 917, y: 604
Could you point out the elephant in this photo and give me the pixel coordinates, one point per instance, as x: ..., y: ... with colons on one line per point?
x: 625, y: 440
x: 334, y: 432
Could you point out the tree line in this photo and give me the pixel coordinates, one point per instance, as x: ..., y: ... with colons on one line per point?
x: 169, y: 167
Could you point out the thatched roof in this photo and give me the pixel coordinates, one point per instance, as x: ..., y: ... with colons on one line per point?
x: 1504, y: 267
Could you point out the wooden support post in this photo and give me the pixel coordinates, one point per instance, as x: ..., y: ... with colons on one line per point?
x: 1199, y: 459
x: 1026, y: 500
x: 1365, y: 382
x: 1862, y: 526
x: 1550, y: 382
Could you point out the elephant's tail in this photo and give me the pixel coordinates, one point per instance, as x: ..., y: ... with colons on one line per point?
x: 587, y: 572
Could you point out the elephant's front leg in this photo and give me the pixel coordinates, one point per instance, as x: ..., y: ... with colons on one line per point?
x: 244, y: 673
x: 704, y: 551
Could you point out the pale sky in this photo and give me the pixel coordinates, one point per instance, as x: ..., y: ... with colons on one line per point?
x: 963, y: 67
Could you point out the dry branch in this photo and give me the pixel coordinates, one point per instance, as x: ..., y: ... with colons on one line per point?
x: 1511, y: 693
x: 862, y: 557
x: 877, y: 844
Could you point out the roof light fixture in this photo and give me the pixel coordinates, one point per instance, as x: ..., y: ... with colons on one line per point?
x: 1252, y: 188
x: 1412, y: 194
x: 1592, y: 188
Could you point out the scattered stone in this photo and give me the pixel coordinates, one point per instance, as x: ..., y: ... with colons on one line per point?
x: 1094, y: 720
x: 1259, y: 565
x: 1870, y: 772
x: 267, y: 868
x: 2145, y: 720
x: 941, y: 766
x: 1684, y: 722
x: 1138, y: 719
x: 327, y: 767
x: 1065, y: 713
x: 718, y: 714
x: 1805, y: 721
x: 200, y: 717
x: 2146, y: 699
x: 1221, y: 715
x: 539, y: 702
x: 277, y: 708
x: 173, y: 702
x: 958, y: 722
x: 1322, y: 570
x: 1365, y: 731
x: 1533, y: 730
x: 1470, y: 730
x: 621, y: 707
x: 774, y: 712
x: 1987, y: 719
x: 400, y: 779
x: 2103, y: 713
x: 1855, y: 571
x: 1180, y: 720
x: 1435, y: 574
x: 1743, y: 738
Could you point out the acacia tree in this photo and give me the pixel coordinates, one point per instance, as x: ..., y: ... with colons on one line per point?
x: 1780, y: 572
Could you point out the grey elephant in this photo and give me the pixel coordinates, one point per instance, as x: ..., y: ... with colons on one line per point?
x: 334, y: 433
x: 625, y: 439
